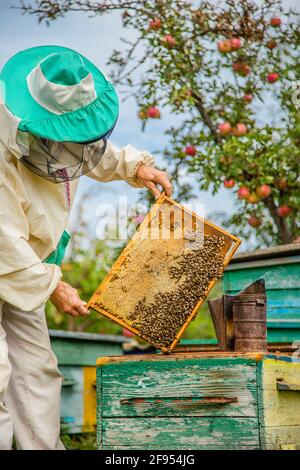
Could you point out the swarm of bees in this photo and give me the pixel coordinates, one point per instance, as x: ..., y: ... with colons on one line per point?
x: 159, y: 321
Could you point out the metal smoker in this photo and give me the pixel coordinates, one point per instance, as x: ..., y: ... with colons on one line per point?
x: 240, y: 320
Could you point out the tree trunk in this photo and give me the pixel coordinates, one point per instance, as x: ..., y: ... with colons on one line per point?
x: 205, y: 116
x: 284, y: 232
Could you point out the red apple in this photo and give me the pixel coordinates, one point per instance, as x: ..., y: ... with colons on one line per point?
x: 235, y: 44
x: 248, y: 98
x: 190, y: 150
x: 225, y: 128
x: 282, y: 183
x: 155, y: 24
x: 263, y: 191
x: 284, y: 210
x: 271, y: 44
x: 275, y: 22
x: 272, y: 77
x: 243, y: 192
x: 241, y: 68
x: 224, y: 46
x: 229, y: 183
x: 153, y: 112
x: 240, y: 129
x: 254, y: 221
x: 169, y: 41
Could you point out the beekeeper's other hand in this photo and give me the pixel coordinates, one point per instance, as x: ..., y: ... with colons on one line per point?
x: 151, y: 177
x: 66, y: 299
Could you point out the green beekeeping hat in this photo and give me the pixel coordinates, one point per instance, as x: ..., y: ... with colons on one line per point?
x: 59, y: 95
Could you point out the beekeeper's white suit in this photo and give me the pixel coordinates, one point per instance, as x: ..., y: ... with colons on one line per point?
x: 33, y: 214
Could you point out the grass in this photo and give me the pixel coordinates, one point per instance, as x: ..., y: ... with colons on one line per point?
x: 79, y: 441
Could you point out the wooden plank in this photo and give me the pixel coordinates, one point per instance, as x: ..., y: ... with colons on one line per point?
x: 273, y: 252
x: 279, y: 412
x: 187, y: 433
x: 282, y: 304
x: 283, y: 323
x: 283, y: 335
x: 185, y: 388
x: 98, y: 407
x: 276, y: 277
x: 280, y: 408
x: 260, y: 411
x: 265, y: 262
x: 79, y: 335
x: 82, y: 353
x: 284, y: 298
x: 219, y: 357
x: 294, y: 358
x: 279, y: 437
x: 89, y: 398
x: 197, y: 342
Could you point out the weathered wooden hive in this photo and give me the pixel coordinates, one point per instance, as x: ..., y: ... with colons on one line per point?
x: 204, y: 400
x: 165, y: 273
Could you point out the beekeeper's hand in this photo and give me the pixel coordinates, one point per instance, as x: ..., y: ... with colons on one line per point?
x: 66, y: 299
x: 151, y: 177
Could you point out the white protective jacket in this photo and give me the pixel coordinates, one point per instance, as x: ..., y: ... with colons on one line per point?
x: 34, y: 214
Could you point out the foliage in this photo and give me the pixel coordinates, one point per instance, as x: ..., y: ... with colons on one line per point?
x: 79, y: 441
x: 202, y: 327
x: 179, y: 62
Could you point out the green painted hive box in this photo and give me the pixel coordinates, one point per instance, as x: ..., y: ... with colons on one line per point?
x: 198, y: 401
x: 77, y: 353
x: 280, y: 267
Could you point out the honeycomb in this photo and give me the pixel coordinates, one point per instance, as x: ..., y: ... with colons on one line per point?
x: 164, y: 274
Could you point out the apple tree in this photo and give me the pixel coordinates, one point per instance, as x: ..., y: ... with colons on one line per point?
x: 230, y: 71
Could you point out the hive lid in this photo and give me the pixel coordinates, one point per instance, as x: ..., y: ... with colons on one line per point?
x: 280, y: 251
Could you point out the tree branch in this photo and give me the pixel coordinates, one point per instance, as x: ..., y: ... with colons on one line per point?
x: 50, y: 10
x: 206, y: 118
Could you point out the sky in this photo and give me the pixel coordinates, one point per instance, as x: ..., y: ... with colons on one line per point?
x: 96, y: 37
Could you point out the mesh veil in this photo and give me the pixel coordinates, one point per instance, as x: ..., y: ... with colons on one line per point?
x: 61, y: 161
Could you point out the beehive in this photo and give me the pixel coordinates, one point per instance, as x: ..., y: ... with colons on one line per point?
x: 208, y: 400
x: 164, y: 274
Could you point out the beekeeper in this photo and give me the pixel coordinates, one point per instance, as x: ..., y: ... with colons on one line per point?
x: 57, y: 112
